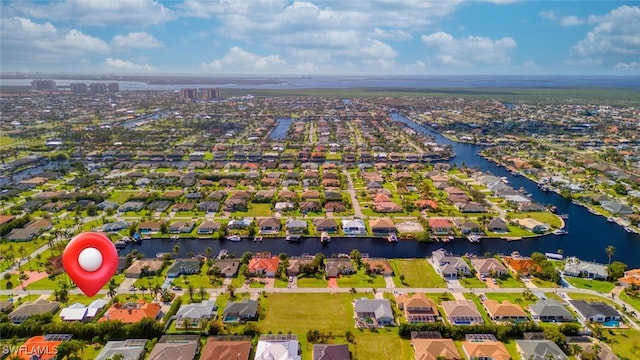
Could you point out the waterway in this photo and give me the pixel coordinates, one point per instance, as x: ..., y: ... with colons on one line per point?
x: 281, y: 129
x: 588, y: 236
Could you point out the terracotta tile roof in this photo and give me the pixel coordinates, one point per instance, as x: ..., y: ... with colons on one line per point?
x: 224, y: 350
x: 129, y: 315
x: 486, y: 350
x: 38, y: 345
x: 267, y: 265
x: 432, y: 349
x: 504, y: 309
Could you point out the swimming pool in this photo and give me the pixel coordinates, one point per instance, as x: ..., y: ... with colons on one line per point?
x: 612, y: 323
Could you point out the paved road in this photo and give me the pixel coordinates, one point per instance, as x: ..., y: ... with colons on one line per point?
x: 357, y: 212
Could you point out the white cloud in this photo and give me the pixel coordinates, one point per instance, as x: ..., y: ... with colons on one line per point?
x: 24, y: 40
x: 468, y: 51
x: 571, y: 20
x: 548, y: 14
x: 617, y: 34
x: 128, y: 66
x: 139, y: 40
x: 94, y: 12
x: 632, y: 65
x: 238, y: 60
x: 390, y: 34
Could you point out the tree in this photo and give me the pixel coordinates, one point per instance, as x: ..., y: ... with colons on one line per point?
x: 191, y: 291
x: 610, y: 250
x: 207, y: 252
x: 232, y: 290
x: 176, y: 250
x: 616, y: 270
x: 112, y: 288
x: 187, y: 323
x: 357, y: 257
x: 202, y: 292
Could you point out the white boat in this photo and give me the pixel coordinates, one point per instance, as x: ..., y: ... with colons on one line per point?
x: 293, y: 238
x: 563, y: 216
x: 257, y: 239
x: 392, y: 237
x: 628, y: 229
x: 221, y: 254
x: 611, y: 219
x: 324, y: 237
x: 161, y: 255
x: 175, y: 237
x: 234, y: 238
x: 560, y: 232
x: 473, y: 238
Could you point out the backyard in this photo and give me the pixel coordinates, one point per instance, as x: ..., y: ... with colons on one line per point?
x: 417, y: 273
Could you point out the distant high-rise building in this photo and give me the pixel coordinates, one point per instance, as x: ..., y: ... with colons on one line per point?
x: 210, y: 94
x: 43, y: 84
x: 189, y: 94
x: 98, y: 88
x: 113, y: 87
x: 78, y: 88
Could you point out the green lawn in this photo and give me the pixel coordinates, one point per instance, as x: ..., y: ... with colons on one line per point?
x: 543, y: 216
x: 472, y: 282
x: 120, y: 196
x: 197, y: 280
x: 509, y: 282
x: 82, y: 299
x: 254, y: 210
x: 590, y: 297
x: 514, y: 298
x: 633, y: 301
x: 597, y: 285
x: 312, y: 283
x: 478, y: 303
x: 382, y: 344
x: 625, y: 343
x: 417, y: 273
x: 50, y: 284
x: 543, y: 283
x: 361, y: 280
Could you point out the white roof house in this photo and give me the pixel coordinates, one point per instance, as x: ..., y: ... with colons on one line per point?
x: 278, y: 347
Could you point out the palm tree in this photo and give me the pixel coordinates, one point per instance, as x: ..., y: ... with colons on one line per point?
x: 202, y: 292
x: 112, y: 288
x: 191, y: 291
x: 610, y: 250
x: 207, y: 252
x: 176, y: 250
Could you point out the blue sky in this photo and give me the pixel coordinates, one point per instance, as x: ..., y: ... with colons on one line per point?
x: 271, y: 37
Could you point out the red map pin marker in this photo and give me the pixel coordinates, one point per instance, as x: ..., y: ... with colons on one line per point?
x: 91, y: 260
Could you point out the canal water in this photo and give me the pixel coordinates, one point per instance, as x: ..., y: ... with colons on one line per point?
x: 588, y: 236
x: 281, y: 129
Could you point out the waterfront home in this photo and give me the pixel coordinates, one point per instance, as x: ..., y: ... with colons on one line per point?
x: 532, y: 225
x: 505, y: 311
x: 149, y: 227
x: 130, y: 313
x: 115, y: 226
x: 354, y: 226
x: 266, y: 266
x: 409, y: 227
x: 181, y: 227
x: 616, y: 208
x: 378, y: 266
x: 373, y: 313
x: 631, y: 277
x: 381, y: 226
x: 539, y: 350
x: 497, y: 225
x: 597, y: 311
x: 417, y: 308
x: 449, y: 266
x: 228, y: 267
x: 330, y: 352
x: 269, y: 225
x: 278, y: 346
x: 195, y: 313
x: 521, y: 265
x: 440, y: 226
x: 585, y: 269
x: 336, y: 267
x: 485, y: 349
x: 489, y: 267
x: 143, y: 267
x: 131, y: 349
x: 30, y: 308
x: 208, y: 227
x: 328, y: 225
x: 219, y: 348
x: 469, y: 227
x: 295, y: 226
x: 239, y: 223
x: 177, y: 347
x: 184, y: 267
x: 297, y: 262
x: 429, y: 345
x: 461, y: 312
x: 549, y: 310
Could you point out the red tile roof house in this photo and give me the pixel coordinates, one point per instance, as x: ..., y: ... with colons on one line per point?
x: 267, y: 266
x: 440, y: 226
x: 133, y: 312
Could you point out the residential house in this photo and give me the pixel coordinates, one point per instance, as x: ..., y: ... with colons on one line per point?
x: 239, y: 223
x: 41, y: 347
x: 175, y: 347
x: 143, y: 267
x: 80, y: 312
x: 295, y: 226
x: 434, y: 349
x: 493, y: 350
x: 373, y: 312
x: 264, y: 266
x: 310, y: 206
x: 115, y: 226
x: 449, y: 266
x: 505, y: 311
x: 489, y: 267
x: 209, y: 206
x: 354, y: 226
x: 30, y: 308
x: 208, y: 227
x: 228, y: 267
x: 130, y: 349
x: 469, y: 227
x: 440, y: 226
x: 330, y: 352
x: 539, y: 350
x: 149, y: 227
x: 195, y: 313
x: 222, y: 349
x: 588, y: 346
x: 461, y: 312
x: 417, y: 308
x: 532, y: 225
x: 631, y: 277
x: 586, y: 269
x: 521, y: 265
x: 597, y: 312
x: 380, y: 266
x: 269, y: 225
x: 296, y: 262
x: 497, y: 225
x: 335, y: 206
x: 131, y: 206
x: 280, y: 347
x: 549, y: 310
x: 181, y: 227
x: 387, y: 207
x: 240, y: 311
x: 382, y: 226
x: 130, y: 313
x: 616, y: 208
x: 184, y: 267
x: 328, y: 225
x: 337, y: 267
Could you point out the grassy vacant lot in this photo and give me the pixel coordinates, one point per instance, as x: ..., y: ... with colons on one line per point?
x: 417, y: 273
x: 590, y: 297
x: 381, y: 344
x: 546, y: 217
x: 543, y: 283
x: 254, y: 210
x: 633, y: 301
x: 597, y: 285
x: 511, y: 297
x: 361, y: 280
x: 472, y: 282
x: 625, y: 343
x: 82, y: 299
x: 509, y: 282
